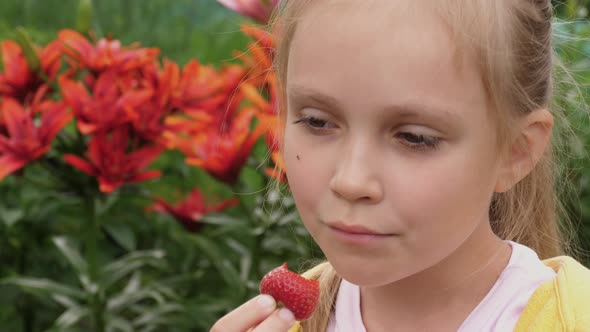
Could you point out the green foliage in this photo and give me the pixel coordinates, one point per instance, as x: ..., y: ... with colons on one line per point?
x: 572, y: 97
x: 152, y: 274
x: 182, y: 29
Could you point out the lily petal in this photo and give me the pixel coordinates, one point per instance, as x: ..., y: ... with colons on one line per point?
x: 10, y: 164
x: 145, y: 176
x: 53, y: 119
x: 18, y: 122
x: 16, y: 69
x: 80, y: 164
x: 107, y: 186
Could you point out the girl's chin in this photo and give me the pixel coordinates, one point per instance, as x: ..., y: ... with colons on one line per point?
x: 365, y: 272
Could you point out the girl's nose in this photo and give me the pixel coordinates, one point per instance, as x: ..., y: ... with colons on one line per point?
x: 355, y: 178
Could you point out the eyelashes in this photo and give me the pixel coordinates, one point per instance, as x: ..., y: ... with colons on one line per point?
x: 422, y: 142
x: 312, y: 122
x: 414, y: 141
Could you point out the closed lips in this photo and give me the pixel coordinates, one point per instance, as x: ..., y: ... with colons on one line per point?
x: 355, y: 229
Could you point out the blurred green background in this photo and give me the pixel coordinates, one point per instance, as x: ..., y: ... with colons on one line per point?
x: 202, y: 275
x: 182, y: 29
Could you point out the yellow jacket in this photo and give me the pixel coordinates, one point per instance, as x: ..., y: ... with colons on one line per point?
x: 560, y: 304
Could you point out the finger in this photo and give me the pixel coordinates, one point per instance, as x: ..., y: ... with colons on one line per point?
x: 247, y: 315
x: 280, y: 321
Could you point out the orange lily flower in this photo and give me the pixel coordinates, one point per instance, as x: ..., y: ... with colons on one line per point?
x: 18, y: 80
x: 164, y: 83
x: 266, y: 111
x: 108, y: 106
x: 108, y: 159
x: 107, y: 54
x: 182, y: 128
x: 201, y: 87
x: 258, y: 60
x: 147, y: 115
x: 147, y: 121
x: 261, y: 75
x: 261, y: 36
x: 270, y: 122
x: 223, y: 153
x: 190, y: 211
x: 24, y: 141
x: 148, y: 110
x: 181, y: 101
x: 207, y: 130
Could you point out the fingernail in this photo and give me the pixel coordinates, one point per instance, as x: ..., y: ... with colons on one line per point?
x: 266, y: 301
x: 286, y: 315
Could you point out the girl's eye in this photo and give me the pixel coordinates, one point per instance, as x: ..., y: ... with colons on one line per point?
x: 418, y: 142
x: 413, y: 141
x: 314, y: 123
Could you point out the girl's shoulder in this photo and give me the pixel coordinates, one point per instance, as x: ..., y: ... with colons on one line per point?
x: 560, y: 304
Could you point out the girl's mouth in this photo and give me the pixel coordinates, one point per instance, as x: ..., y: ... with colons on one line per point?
x: 356, y: 234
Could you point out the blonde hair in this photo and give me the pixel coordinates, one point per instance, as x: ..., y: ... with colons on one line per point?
x: 512, y: 41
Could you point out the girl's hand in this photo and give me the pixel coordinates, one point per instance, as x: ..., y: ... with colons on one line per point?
x: 257, y: 315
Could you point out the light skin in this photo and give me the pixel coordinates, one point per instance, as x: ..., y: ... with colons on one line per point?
x: 260, y: 314
x: 387, y: 130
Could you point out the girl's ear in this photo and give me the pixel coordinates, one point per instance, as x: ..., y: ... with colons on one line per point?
x: 526, y: 150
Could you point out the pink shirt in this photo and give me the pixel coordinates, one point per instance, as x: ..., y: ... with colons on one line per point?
x: 498, y: 311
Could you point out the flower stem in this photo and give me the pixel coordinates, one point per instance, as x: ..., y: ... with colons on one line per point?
x: 95, y: 300
x: 24, y: 307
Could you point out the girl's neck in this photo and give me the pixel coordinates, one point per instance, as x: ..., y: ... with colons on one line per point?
x: 441, y: 296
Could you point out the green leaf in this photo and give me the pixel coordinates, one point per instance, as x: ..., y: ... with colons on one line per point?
x: 129, y: 263
x: 104, y: 204
x: 228, y: 272
x: 117, y: 323
x: 64, y: 329
x: 253, y: 180
x: 72, y: 254
x: 11, y: 217
x: 220, y: 219
x: 65, y: 301
x: 245, y: 257
x: 123, y: 235
x: 75, y: 259
x: 84, y: 19
x: 133, y: 284
x: 157, y: 315
x: 72, y: 316
x: 134, y: 293
x: 43, y: 287
x: 28, y: 49
x: 43, y: 208
x: 124, y: 300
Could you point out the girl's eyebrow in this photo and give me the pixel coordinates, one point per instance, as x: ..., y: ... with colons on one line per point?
x: 301, y: 93
x: 413, y: 110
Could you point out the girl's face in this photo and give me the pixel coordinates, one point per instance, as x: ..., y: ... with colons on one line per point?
x: 387, y: 130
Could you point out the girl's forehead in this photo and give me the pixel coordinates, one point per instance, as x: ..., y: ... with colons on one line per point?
x: 344, y: 49
x: 375, y: 25
x: 348, y: 11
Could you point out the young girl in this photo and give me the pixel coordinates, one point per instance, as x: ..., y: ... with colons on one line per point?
x: 417, y: 145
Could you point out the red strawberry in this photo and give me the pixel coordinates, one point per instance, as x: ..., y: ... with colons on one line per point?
x: 298, y: 294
